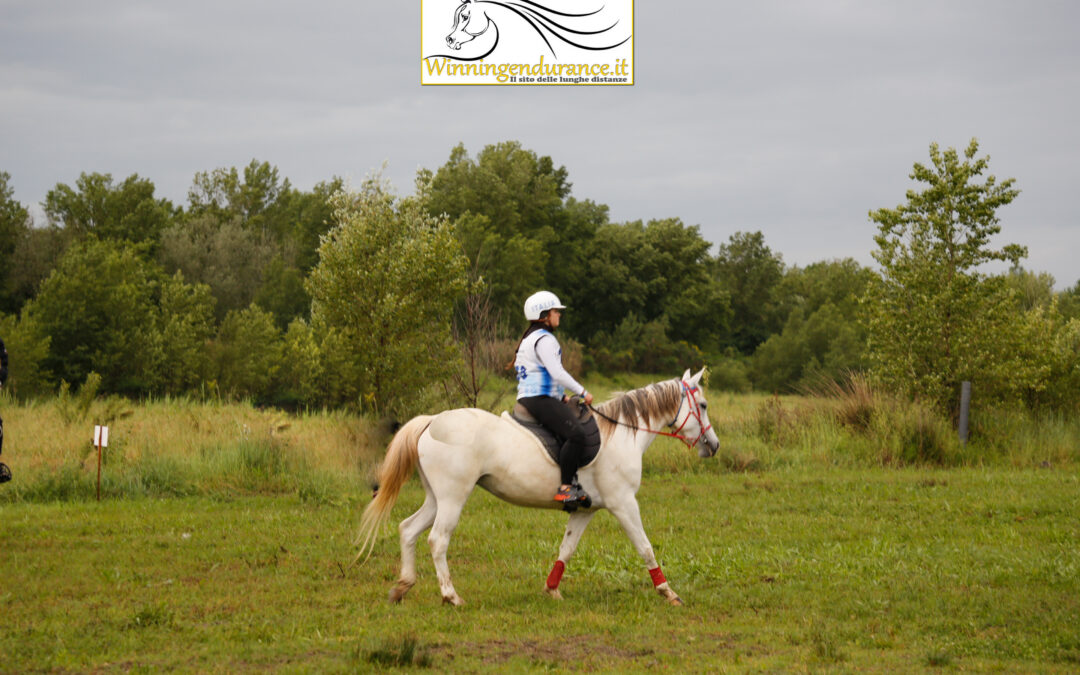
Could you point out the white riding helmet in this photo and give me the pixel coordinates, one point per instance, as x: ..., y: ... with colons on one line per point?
x: 540, y: 302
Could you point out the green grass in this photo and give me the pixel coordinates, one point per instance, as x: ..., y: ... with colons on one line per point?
x: 789, y: 570
x: 845, y: 532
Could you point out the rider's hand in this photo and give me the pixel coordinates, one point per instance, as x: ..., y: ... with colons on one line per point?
x: 588, y: 398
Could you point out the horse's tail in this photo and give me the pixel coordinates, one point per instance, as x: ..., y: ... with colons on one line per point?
x: 399, y: 464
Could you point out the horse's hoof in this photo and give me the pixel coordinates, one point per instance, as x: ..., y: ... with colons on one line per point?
x: 454, y: 600
x: 553, y: 592
x: 676, y: 601
x: 398, y: 592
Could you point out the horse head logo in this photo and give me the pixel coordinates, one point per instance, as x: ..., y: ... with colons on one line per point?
x: 474, y: 18
x: 470, y: 22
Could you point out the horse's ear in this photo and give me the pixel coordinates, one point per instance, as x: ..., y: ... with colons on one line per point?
x: 686, y: 375
x: 697, y: 378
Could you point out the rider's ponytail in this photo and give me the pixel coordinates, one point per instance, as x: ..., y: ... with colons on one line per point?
x: 533, y: 327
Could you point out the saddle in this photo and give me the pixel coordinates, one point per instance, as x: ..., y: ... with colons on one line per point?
x: 552, y: 443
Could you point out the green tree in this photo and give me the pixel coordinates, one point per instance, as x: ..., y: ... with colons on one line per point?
x: 14, y: 223
x: 1069, y: 302
x: 27, y: 347
x: 934, y: 319
x: 1031, y: 289
x: 509, y: 213
x: 248, y: 353
x: 98, y: 309
x: 311, y: 216
x: 186, y: 326
x: 302, y: 379
x: 750, y: 273
x: 127, y: 211
x: 827, y: 343
x: 388, y: 277
x: 37, y: 252
x: 259, y: 198
x: 657, y: 271
x: 822, y: 334
x: 224, y: 255
x: 282, y: 293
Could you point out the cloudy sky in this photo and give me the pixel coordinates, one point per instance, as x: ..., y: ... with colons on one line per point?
x: 793, y: 118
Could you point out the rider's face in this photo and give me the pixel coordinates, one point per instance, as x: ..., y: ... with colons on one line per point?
x: 553, y: 317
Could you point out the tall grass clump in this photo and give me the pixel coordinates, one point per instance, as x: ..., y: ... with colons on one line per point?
x: 892, y: 431
x: 176, y: 447
x: 844, y: 422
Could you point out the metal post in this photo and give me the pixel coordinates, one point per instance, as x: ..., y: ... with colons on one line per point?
x: 965, y: 406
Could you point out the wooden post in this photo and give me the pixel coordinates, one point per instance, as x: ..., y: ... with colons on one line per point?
x: 101, y: 439
x: 965, y: 406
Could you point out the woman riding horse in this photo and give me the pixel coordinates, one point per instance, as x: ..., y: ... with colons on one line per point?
x: 542, y: 382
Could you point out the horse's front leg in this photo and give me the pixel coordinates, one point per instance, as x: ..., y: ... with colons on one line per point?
x: 629, y: 517
x: 579, y: 520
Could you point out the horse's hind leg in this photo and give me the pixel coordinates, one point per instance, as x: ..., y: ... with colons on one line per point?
x: 446, y: 519
x: 411, y: 528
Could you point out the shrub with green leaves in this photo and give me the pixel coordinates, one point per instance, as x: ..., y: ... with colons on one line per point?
x: 385, y: 286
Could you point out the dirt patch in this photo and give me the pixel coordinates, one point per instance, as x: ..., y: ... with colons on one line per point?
x: 579, y: 649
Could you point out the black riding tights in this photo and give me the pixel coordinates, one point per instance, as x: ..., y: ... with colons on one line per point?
x: 559, y: 418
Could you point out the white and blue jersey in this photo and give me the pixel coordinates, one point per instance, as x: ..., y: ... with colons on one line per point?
x: 539, y: 367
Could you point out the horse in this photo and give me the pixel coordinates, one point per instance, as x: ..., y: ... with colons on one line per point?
x: 471, y: 20
x: 457, y: 450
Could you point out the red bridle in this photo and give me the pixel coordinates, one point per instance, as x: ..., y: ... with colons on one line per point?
x: 695, y: 412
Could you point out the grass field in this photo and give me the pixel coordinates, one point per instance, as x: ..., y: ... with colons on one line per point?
x: 224, y: 542
x: 864, y: 570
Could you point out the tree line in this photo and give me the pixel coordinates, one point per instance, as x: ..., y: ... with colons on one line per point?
x: 360, y: 297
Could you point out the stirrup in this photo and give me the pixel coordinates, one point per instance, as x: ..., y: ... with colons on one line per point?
x: 573, y: 497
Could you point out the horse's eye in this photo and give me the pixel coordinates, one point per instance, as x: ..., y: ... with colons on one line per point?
x: 465, y: 15
x: 704, y: 405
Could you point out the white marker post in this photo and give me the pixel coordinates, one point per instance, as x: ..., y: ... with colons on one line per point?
x: 101, y: 440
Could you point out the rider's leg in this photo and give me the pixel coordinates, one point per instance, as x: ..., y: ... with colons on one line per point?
x: 561, y: 421
x: 5, y: 472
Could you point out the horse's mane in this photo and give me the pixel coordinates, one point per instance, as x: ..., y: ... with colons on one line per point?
x: 657, y: 402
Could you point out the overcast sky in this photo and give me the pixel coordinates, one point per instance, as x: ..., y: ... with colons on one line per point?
x: 793, y: 118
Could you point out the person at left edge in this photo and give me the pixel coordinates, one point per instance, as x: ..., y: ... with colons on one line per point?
x: 5, y: 472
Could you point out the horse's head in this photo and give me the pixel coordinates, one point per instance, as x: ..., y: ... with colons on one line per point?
x: 470, y: 21
x: 692, y: 420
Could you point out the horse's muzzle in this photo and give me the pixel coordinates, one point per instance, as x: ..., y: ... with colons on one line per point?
x: 707, y: 449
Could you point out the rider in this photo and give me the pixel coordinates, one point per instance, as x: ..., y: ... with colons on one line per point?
x: 542, y: 381
x: 5, y: 472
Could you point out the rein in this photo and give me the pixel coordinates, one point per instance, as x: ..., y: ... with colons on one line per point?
x: 694, y: 412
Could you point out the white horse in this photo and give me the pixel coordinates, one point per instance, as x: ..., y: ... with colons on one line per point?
x: 459, y: 449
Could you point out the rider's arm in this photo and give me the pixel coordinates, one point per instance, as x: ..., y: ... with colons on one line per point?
x: 547, y: 350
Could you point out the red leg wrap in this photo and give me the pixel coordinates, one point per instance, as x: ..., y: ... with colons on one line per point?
x: 556, y: 574
x: 657, y: 576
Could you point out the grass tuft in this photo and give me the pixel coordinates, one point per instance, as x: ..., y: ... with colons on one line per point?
x: 406, y: 653
x: 938, y: 659
x: 150, y: 616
